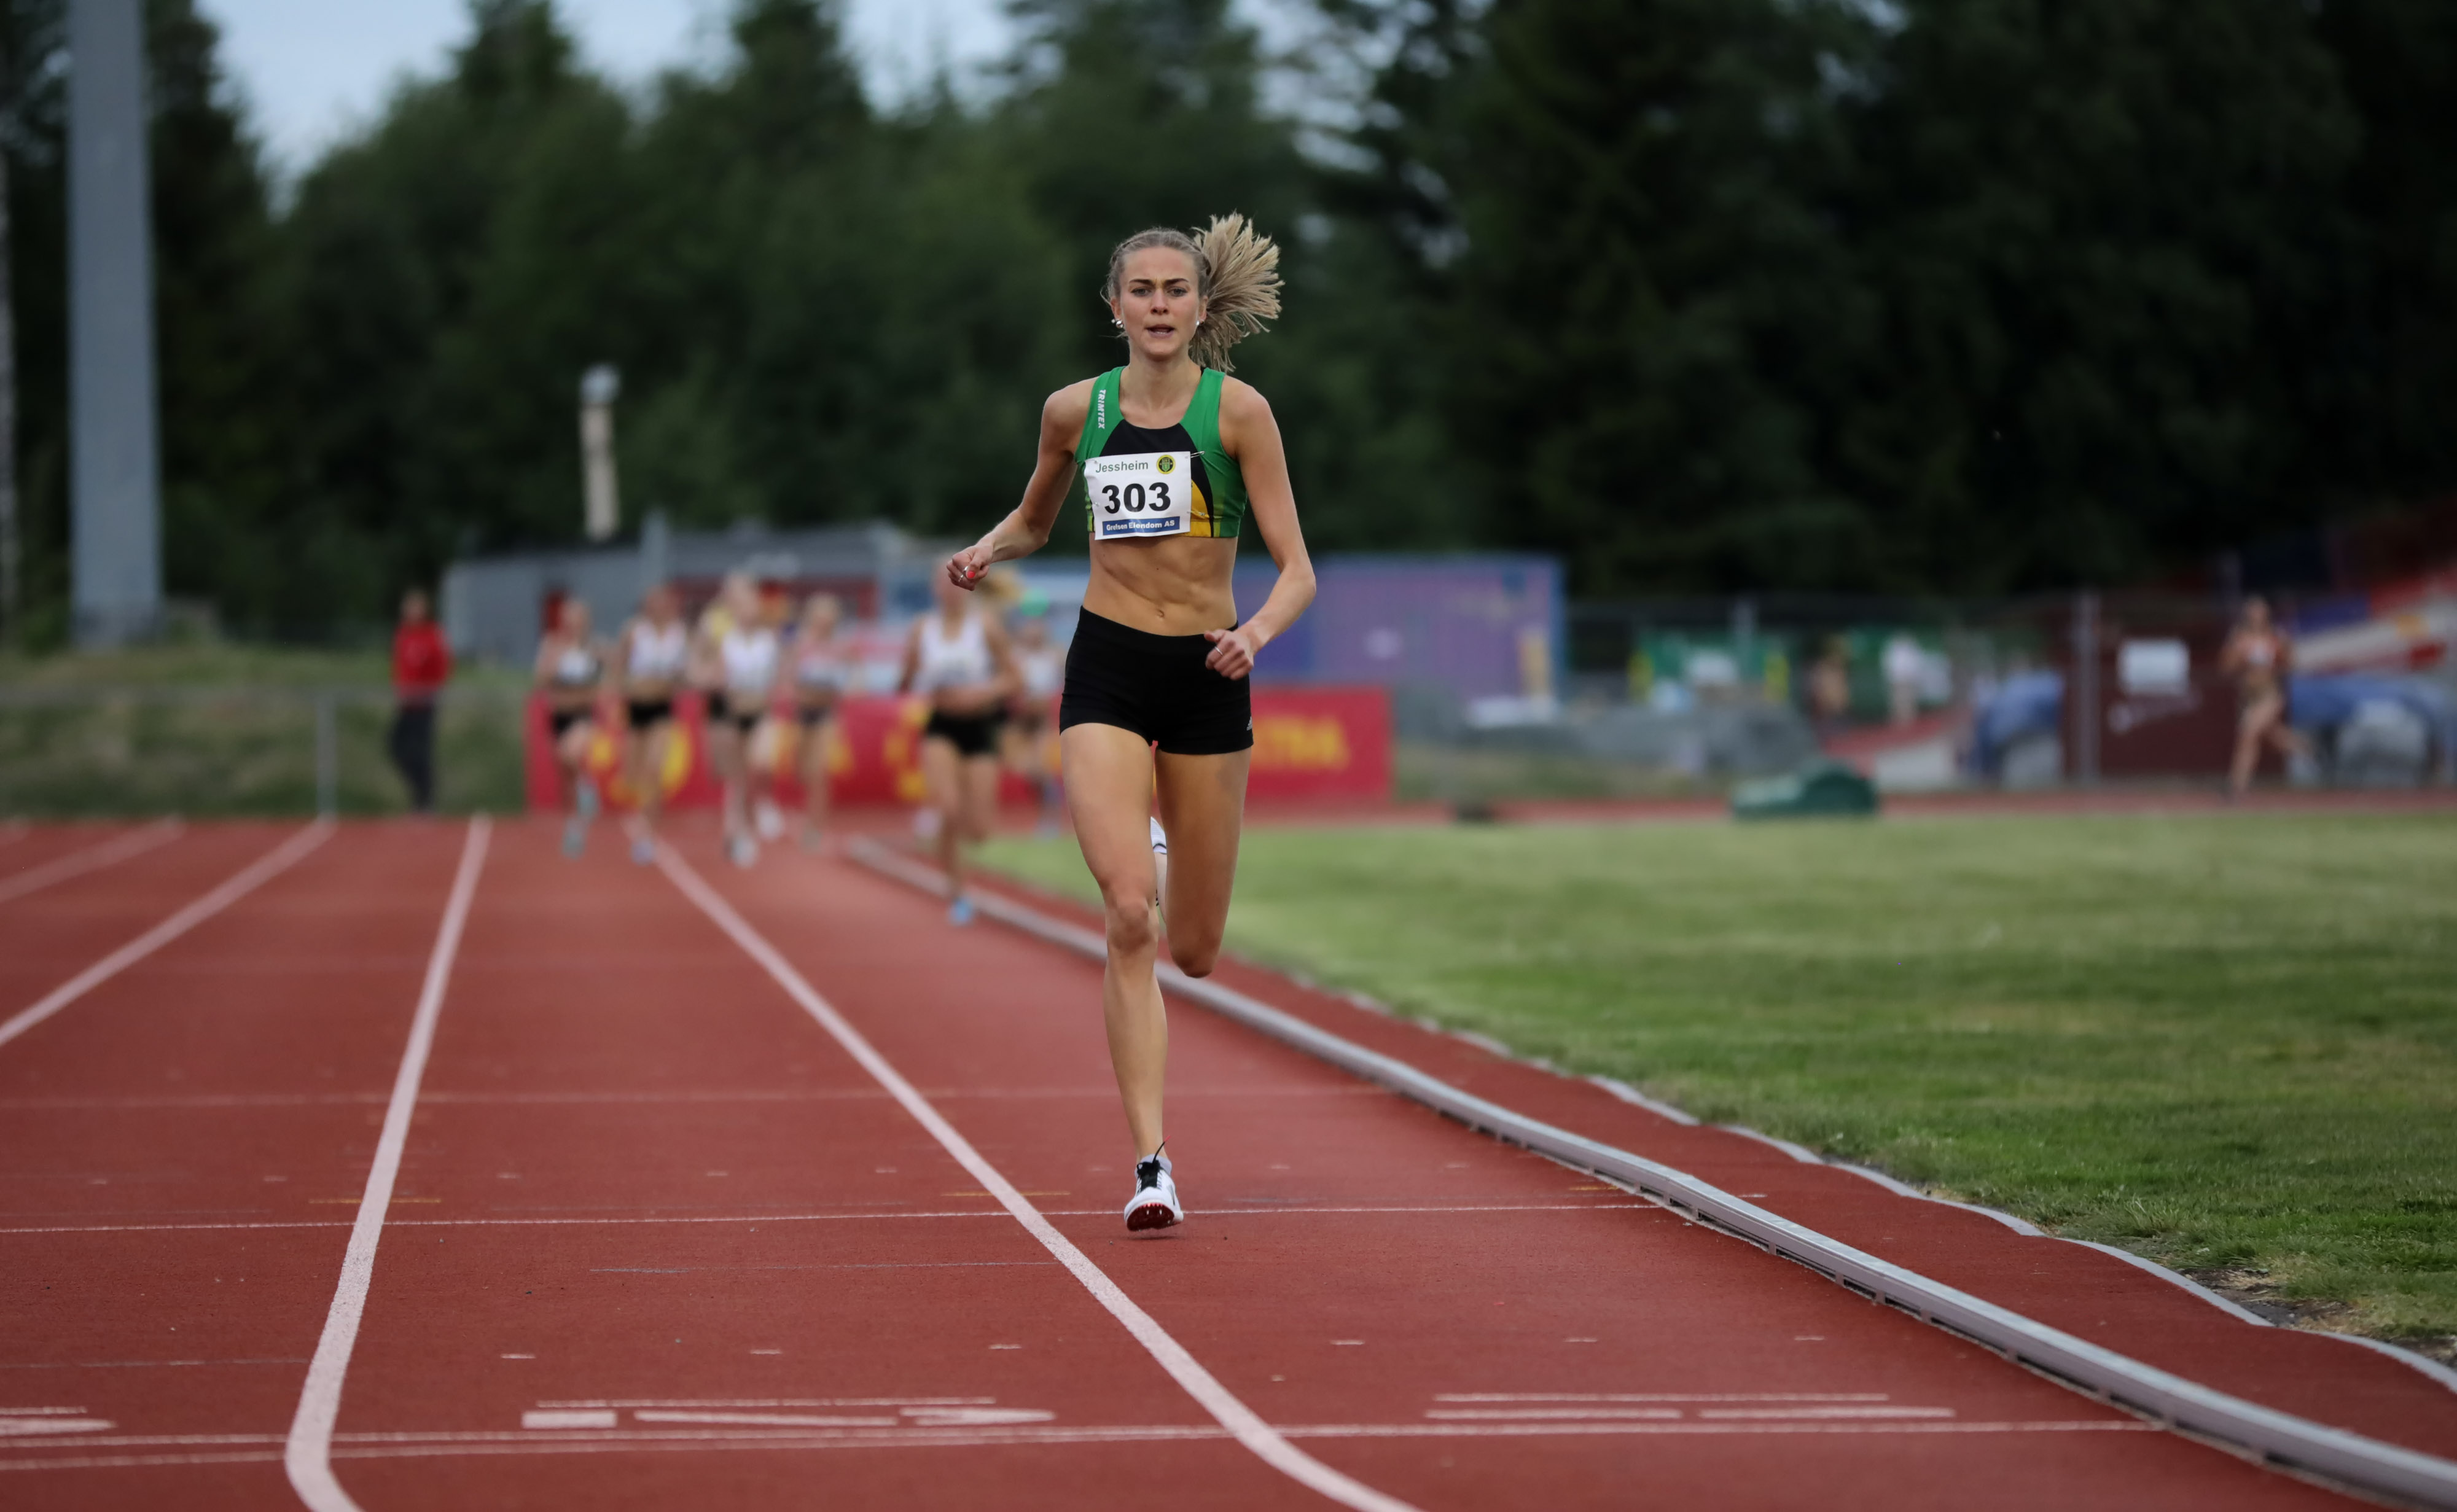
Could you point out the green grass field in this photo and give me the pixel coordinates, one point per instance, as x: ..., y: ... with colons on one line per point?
x: 2228, y: 1043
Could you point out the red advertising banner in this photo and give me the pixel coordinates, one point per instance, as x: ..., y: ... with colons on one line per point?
x: 1309, y: 744
x: 1321, y: 743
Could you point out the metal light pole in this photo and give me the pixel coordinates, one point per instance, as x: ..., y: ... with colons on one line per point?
x: 115, y: 471
x: 11, y: 604
x: 598, y: 388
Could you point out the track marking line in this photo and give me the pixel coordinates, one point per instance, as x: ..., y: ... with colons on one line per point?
x: 1242, y: 1421
x: 88, y: 858
x: 443, y: 1444
x: 2124, y: 1382
x: 246, y: 880
x: 307, y: 1455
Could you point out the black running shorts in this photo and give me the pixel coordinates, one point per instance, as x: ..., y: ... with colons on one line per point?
x: 744, y: 717
x: 971, y: 734
x: 1155, y: 685
x: 644, y: 713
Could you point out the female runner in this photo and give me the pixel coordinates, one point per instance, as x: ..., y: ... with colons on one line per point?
x: 739, y: 656
x: 821, y: 672
x: 1040, y: 665
x: 957, y: 657
x: 1174, y: 456
x: 655, y: 655
x: 571, y: 673
x: 2256, y: 656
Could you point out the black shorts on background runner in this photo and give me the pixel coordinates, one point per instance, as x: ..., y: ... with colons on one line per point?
x: 1155, y: 685
x: 971, y: 734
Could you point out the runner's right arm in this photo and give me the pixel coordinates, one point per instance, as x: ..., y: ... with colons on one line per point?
x: 1026, y: 528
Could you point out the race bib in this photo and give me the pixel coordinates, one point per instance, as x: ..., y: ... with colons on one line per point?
x: 1143, y: 494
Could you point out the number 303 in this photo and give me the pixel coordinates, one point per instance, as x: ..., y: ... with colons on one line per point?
x: 1133, y: 500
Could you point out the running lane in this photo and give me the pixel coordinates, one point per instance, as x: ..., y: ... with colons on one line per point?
x: 179, y: 1151
x: 676, y: 1248
x: 1439, y: 1316
x: 42, y: 858
x: 48, y: 936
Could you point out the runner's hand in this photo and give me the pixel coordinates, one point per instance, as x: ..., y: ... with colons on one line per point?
x: 965, y: 569
x: 1233, y: 651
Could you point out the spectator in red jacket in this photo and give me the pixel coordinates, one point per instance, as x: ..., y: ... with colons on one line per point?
x: 420, y: 663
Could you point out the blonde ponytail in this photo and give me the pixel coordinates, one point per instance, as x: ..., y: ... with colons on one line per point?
x: 1245, y: 293
x: 1236, y: 273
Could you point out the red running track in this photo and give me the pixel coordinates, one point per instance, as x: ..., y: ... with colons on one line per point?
x: 658, y: 1240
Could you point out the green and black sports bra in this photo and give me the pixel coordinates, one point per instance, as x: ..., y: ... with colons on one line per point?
x: 1142, y: 481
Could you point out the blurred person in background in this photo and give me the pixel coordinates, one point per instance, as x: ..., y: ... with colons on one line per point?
x: 822, y: 670
x: 652, y: 662
x: 1829, y: 688
x: 739, y: 659
x: 2258, y: 656
x: 570, y: 675
x: 420, y: 666
x: 1903, y: 665
x: 958, y: 656
x: 1040, y: 666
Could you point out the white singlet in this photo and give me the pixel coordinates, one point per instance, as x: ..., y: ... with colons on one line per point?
x: 749, y: 661
x: 575, y: 667
x: 960, y: 660
x: 659, y: 655
x: 822, y: 668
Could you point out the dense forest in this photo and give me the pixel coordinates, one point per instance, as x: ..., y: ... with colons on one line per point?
x: 1911, y: 296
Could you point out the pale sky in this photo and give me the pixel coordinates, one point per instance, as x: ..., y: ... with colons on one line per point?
x: 312, y: 69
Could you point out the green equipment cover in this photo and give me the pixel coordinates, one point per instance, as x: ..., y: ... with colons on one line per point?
x: 1820, y: 789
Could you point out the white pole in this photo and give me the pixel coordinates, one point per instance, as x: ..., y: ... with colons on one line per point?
x: 598, y: 387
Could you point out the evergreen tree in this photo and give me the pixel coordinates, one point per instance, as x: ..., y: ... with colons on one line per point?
x: 2102, y: 233
x: 1656, y: 301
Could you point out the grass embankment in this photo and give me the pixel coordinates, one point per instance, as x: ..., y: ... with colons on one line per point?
x: 226, y: 730
x: 2227, y: 1043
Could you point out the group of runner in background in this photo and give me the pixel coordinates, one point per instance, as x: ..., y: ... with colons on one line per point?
x: 772, y: 677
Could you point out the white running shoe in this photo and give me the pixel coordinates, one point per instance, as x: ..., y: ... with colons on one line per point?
x: 1159, y: 839
x: 744, y: 850
x: 1160, y: 865
x: 771, y: 822
x: 1154, y: 1204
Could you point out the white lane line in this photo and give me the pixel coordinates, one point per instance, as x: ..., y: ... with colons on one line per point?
x: 308, y: 1454
x: 586, y: 1441
x: 246, y: 880
x: 88, y: 858
x: 1242, y: 1421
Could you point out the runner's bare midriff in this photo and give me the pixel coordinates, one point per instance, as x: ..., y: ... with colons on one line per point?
x: 1173, y: 585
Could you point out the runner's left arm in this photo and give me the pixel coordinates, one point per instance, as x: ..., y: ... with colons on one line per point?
x: 1251, y: 435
